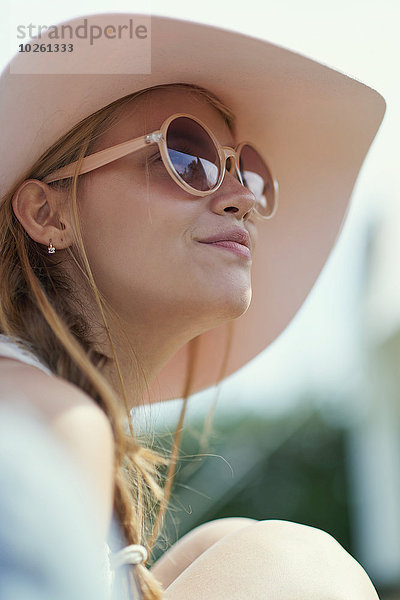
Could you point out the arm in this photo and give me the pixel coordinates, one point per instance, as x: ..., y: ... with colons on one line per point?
x: 76, y: 420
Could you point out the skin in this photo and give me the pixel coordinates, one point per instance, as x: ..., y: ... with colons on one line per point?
x: 167, y: 288
x: 142, y: 242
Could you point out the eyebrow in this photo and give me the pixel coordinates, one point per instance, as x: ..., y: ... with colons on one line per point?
x: 185, y: 135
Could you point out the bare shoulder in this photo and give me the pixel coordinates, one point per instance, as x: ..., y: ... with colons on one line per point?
x: 72, y: 415
x: 50, y: 395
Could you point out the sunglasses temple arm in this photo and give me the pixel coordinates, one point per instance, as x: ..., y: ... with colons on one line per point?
x: 101, y: 158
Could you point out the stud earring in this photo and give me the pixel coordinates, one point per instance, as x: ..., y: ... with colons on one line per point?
x: 51, y: 248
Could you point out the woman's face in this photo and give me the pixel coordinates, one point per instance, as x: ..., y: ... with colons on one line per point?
x: 143, y: 233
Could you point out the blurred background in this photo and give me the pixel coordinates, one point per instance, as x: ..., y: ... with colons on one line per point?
x: 309, y: 430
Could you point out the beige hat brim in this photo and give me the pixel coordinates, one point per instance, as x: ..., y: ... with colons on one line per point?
x: 313, y: 123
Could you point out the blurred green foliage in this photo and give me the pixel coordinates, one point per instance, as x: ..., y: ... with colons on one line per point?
x: 291, y: 468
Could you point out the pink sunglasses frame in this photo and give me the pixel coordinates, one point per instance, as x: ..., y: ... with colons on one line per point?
x: 103, y: 157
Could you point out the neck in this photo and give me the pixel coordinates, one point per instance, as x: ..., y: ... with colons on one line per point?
x: 142, y: 349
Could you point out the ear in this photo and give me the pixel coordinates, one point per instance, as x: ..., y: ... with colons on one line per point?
x: 38, y: 207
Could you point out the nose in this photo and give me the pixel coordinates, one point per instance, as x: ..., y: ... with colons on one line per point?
x: 233, y: 196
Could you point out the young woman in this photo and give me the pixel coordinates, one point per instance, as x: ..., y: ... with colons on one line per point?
x: 144, y: 257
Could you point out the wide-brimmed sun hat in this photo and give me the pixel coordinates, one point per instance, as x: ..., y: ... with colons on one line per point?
x: 313, y: 124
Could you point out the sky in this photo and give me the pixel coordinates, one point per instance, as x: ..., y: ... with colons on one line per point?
x: 319, y: 349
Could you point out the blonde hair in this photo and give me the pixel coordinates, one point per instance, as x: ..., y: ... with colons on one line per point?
x: 38, y: 305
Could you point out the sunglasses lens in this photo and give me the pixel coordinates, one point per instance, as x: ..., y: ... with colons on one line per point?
x: 258, y: 179
x: 193, y: 154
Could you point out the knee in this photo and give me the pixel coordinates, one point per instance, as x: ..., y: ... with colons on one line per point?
x: 291, y: 537
x: 311, y: 557
x: 208, y: 533
x: 227, y: 523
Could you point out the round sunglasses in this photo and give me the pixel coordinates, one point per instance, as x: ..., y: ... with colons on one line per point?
x: 195, y: 160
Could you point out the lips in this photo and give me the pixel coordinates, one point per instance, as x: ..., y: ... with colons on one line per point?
x: 239, y: 236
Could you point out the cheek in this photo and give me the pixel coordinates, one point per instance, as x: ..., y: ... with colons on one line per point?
x: 111, y: 226
x: 130, y: 239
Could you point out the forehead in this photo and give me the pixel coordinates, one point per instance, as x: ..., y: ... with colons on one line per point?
x: 147, y: 112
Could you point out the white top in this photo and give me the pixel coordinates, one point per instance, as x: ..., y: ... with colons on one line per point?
x: 119, y: 587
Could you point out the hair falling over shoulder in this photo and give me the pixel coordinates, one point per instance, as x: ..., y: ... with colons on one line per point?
x: 37, y: 305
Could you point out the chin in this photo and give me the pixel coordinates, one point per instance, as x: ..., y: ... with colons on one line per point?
x: 244, y: 304
x: 234, y: 305
x: 214, y: 302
